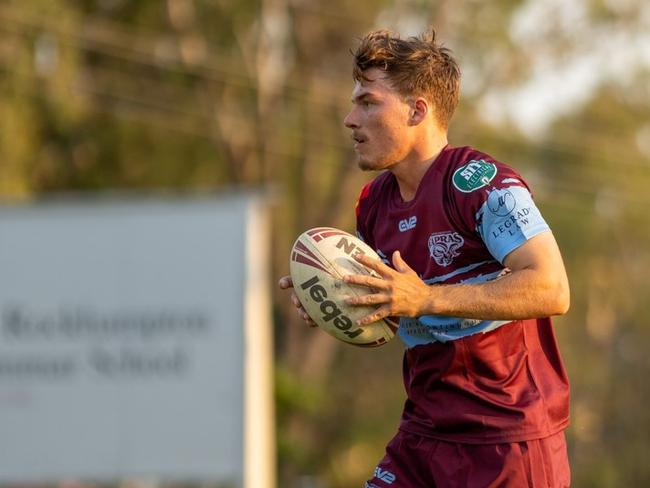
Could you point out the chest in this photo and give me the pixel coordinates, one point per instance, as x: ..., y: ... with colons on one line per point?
x: 429, y: 234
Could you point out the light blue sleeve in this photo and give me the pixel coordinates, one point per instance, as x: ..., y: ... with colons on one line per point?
x: 507, y: 219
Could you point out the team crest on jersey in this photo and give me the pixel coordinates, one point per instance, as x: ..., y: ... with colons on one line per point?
x: 444, y: 246
x: 474, y: 175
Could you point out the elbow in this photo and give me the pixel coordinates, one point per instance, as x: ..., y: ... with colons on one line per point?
x: 562, y: 298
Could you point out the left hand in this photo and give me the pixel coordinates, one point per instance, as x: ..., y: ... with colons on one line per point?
x: 399, y: 292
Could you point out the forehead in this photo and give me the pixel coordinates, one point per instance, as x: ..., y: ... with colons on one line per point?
x: 376, y: 83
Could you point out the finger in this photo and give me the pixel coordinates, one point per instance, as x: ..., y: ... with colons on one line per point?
x: 295, y: 300
x: 305, y: 316
x: 380, y: 313
x: 285, y: 282
x: 374, y: 264
x: 373, y: 299
x: 364, y: 280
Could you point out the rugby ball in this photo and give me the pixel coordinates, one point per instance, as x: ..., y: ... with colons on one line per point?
x: 320, y: 258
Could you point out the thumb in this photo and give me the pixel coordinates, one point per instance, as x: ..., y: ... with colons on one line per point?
x: 399, y: 264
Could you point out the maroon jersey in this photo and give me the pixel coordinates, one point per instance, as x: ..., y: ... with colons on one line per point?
x: 467, y: 380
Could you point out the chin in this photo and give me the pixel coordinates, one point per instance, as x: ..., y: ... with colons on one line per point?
x: 366, y: 165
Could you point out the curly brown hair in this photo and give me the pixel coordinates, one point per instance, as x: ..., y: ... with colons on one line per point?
x: 416, y: 66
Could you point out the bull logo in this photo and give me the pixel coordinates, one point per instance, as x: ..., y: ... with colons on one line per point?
x: 444, y: 246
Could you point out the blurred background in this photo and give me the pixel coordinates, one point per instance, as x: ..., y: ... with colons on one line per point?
x: 194, y: 96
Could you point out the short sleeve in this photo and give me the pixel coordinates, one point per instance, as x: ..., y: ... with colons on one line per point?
x: 493, y: 200
x: 507, y: 219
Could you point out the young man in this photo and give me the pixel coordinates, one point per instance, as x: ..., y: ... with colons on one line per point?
x: 474, y: 273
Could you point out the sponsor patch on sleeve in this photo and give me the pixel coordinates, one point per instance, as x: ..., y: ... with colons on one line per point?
x: 507, y: 219
x: 476, y: 174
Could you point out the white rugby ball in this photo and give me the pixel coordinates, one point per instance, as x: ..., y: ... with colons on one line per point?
x: 320, y: 258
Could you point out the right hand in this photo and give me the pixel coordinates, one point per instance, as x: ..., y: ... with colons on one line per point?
x: 285, y: 283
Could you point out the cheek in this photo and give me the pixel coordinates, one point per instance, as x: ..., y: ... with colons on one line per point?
x: 385, y: 130
x: 391, y: 137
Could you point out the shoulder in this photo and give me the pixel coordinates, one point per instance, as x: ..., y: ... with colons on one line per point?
x: 492, y: 199
x: 470, y: 171
x: 473, y: 174
x: 476, y: 181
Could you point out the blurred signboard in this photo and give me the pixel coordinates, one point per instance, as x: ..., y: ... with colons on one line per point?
x: 135, y: 341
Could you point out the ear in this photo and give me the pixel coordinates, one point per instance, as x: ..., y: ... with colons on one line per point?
x: 419, y: 110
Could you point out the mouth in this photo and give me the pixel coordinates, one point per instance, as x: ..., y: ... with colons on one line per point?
x: 358, y: 140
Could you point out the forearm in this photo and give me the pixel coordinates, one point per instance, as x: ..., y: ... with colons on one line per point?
x: 523, y: 294
x: 536, y: 286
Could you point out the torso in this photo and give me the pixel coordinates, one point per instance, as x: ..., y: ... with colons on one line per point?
x: 468, y: 380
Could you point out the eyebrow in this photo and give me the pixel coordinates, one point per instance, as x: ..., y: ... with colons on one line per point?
x: 362, y: 97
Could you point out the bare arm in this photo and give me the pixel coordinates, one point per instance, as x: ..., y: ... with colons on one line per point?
x: 537, y: 286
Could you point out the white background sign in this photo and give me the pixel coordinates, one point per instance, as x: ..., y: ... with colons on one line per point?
x: 122, y: 340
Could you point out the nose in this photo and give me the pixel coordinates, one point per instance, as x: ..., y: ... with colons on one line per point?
x: 350, y: 121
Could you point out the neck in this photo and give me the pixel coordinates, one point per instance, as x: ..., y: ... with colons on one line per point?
x: 410, y: 171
